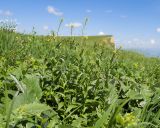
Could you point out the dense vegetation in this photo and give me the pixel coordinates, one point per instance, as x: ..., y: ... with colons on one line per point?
x: 53, y: 82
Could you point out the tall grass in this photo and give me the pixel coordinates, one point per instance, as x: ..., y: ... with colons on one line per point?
x: 73, y: 83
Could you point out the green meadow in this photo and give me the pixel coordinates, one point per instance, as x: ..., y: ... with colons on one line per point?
x: 75, y: 82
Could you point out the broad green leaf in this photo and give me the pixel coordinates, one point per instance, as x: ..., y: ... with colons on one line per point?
x: 60, y: 105
x: 32, y: 86
x: 32, y: 92
x: 32, y: 109
x: 53, y: 122
x: 70, y: 107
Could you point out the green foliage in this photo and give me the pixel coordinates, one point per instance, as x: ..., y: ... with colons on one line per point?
x: 60, y: 82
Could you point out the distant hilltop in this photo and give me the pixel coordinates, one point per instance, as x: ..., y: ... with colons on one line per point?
x: 104, y: 39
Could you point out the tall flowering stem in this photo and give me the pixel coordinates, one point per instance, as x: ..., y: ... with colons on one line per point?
x: 84, y: 25
x: 60, y: 24
x: 72, y: 27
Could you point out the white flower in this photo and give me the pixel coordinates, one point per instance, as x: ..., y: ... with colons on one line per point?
x: 142, y: 103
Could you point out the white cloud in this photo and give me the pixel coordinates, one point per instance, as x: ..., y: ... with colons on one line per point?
x: 88, y: 11
x: 101, y: 33
x: 6, y: 13
x: 54, y: 11
x: 75, y: 25
x: 152, y: 41
x: 158, y: 29
x: 129, y: 42
x: 45, y: 27
x: 123, y: 16
x: 108, y: 11
x: 135, y: 39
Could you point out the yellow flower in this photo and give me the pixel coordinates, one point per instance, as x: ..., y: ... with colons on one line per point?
x: 127, y: 120
x: 136, y: 65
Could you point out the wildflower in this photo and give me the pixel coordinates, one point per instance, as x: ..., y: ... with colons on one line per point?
x: 142, y: 103
x: 62, y: 19
x: 86, y: 20
x: 127, y: 120
x: 136, y: 65
x: 22, y: 110
x: 84, y: 25
x: 60, y: 23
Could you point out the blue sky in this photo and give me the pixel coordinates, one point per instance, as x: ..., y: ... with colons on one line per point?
x: 133, y: 23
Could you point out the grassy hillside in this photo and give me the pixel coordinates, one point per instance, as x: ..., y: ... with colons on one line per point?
x: 104, y: 39
x: 55, y: 82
